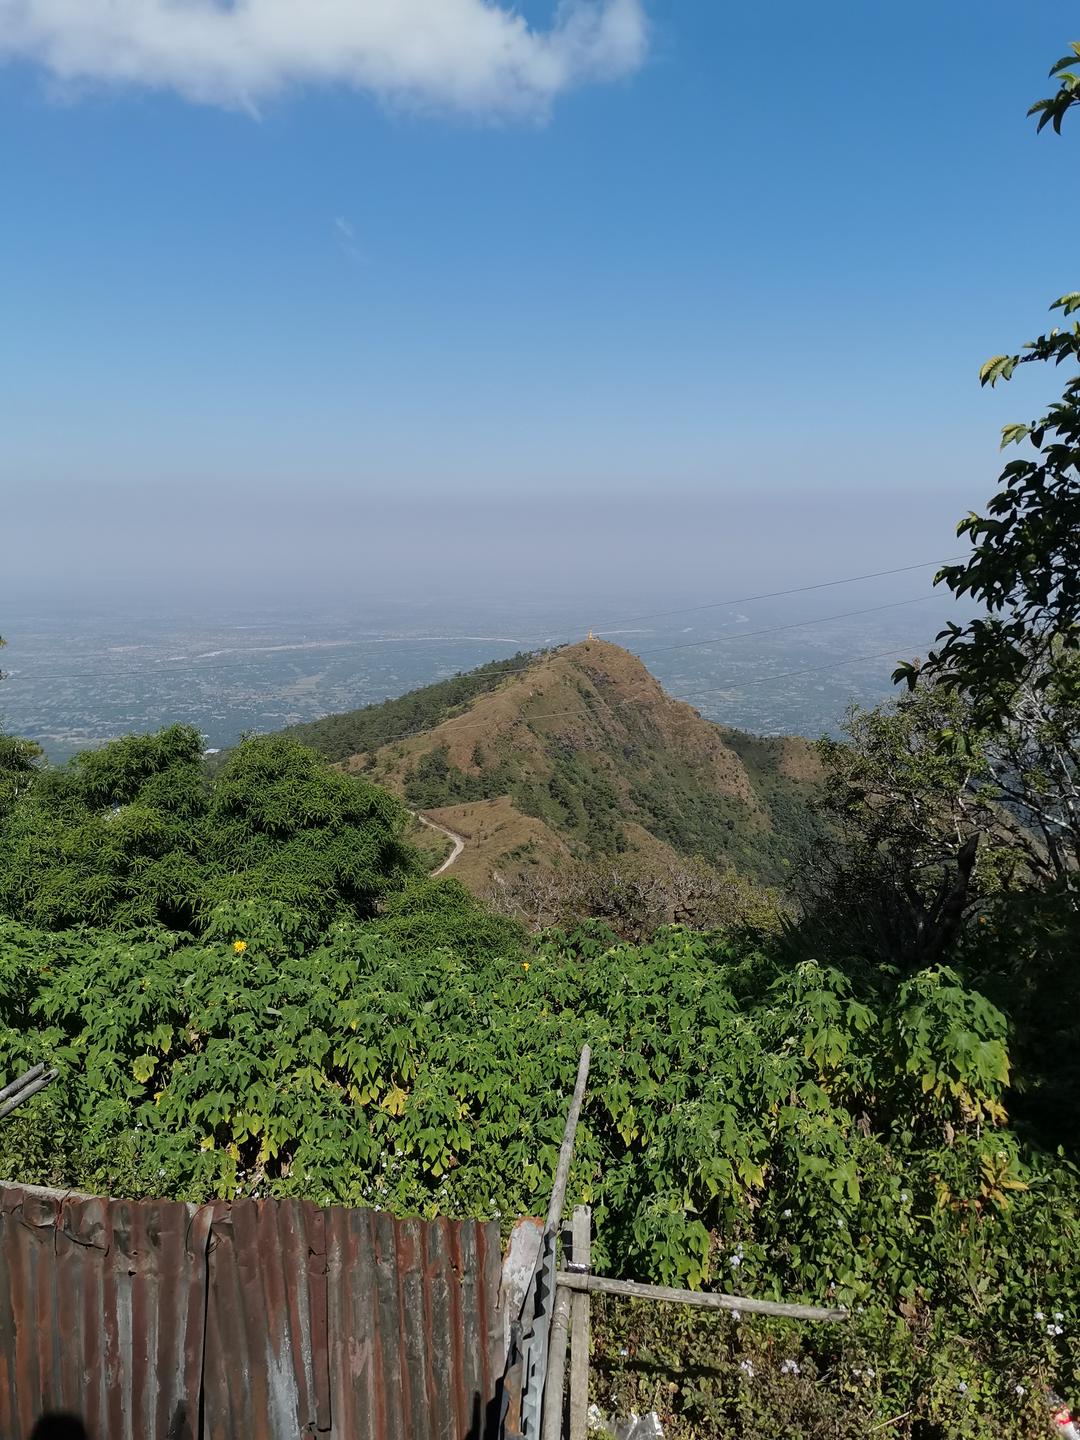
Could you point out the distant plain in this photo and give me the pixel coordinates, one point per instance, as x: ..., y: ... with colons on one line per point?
x: 78, y: 676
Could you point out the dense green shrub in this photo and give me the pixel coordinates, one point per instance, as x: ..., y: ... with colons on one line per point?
x: 135, y: 834
x: 768, y: 1130
x: 434, y: 781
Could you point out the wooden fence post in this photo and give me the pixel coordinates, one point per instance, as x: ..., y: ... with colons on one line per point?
x: 579, y: 1327
x: 552, y: 1425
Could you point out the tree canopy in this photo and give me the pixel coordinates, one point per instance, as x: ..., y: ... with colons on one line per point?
x: 1025, y: 562
x: 136, y: 834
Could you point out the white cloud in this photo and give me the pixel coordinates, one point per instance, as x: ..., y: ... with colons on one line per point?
x: 472, y: 55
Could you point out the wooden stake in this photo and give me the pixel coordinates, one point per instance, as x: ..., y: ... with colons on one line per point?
x: 579, y: 1328
x: 17, y: 1084
x: 566, y: 1152
x: 552, y: 1427
x: 20, y: 1090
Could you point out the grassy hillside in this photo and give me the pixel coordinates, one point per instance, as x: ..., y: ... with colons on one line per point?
x: 339, y: 736
x: 581, y: 753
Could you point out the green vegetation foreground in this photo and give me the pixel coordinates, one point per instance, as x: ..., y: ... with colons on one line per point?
x: 274, y: 999
x: 759, y: 1125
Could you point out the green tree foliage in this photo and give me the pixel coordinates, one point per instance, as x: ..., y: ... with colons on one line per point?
x: 766, y: 1128
x: 918, y: 836
x: 20, y: 761
x: 954, y: 840
x: 134, y: 834
x: 1025, y: 563
x: 1054, y: 109
x: 434, y: 781
x: 1014, y: 678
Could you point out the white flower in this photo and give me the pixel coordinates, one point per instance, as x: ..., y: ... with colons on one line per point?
x: 1020, y: 1390
x: 904, y: 1197
x: 789, y: 1367
x: 624, y: 1352
x: 1058, y: 1315
x: 736, y: 1315
x: 786, y: 1215
x: 869, y: 1374
x: 1052, y: 1329
x: 962, y: 1387
x: 746, y: 1368
x: 1039, y: 1315
x: 735, y: 1261
x: 1058, y: 1330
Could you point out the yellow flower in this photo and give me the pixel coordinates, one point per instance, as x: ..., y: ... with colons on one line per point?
x: 239, y: 946
x: 207, y: 1144
x: 524, y: 964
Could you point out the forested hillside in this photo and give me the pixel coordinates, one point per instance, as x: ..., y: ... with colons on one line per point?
x: 580, y: 756
x: 336, y: 737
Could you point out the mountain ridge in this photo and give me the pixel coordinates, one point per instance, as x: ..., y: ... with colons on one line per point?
x: 580, y: 754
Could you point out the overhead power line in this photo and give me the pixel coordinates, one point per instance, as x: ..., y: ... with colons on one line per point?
x: 793, y: 625
x: 813, y: 669
x: 776, y: 594
x: 548, y: 642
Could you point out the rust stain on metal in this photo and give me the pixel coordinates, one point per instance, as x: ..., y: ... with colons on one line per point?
x: 166, y: 1321
x: 101, y: 1314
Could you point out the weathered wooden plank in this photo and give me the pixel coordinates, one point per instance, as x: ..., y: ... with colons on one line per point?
x: 634, y: 1290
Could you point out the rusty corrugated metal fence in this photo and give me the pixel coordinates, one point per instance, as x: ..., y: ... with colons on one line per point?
x: 154, y: 1320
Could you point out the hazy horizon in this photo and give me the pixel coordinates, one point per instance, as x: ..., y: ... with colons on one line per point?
x: 504, y: 320
x: 279, y: 549
x: 555, y: 291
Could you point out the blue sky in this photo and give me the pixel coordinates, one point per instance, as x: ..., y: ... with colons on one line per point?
x: 749, y: 251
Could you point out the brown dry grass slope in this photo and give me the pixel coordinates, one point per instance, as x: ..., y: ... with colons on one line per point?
x: 583, y: 755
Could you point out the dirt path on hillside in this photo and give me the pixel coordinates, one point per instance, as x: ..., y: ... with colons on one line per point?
x: 459, y: 841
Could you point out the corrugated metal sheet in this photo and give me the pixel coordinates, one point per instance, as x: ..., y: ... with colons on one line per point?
x: 256, y: 1319
x: 266, y: 1369
x: 101, y: 1314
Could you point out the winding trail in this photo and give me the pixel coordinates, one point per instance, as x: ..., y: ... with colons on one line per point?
x: 459, y: 841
